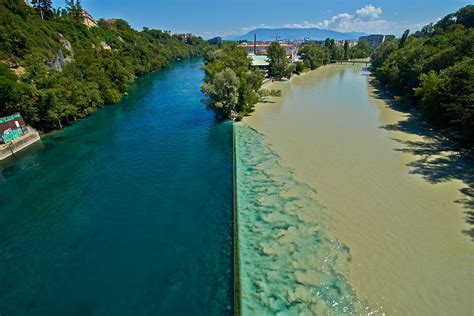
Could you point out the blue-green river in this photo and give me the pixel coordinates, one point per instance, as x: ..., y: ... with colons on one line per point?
x: 128, y: 212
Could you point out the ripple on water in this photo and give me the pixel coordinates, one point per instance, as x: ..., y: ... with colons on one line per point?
x: 287, y: 261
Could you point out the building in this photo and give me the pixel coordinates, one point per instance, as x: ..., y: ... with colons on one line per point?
x: 260, y: 61
x: 376, y: 39
x: 112, y: 21
x: 88, y: 20
x: 15, y: 135
x: 261, y: 48
x: 11, y: 127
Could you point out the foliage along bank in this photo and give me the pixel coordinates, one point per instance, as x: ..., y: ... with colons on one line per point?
x: 232, y: 84
x: 433, y: 70
x: 54, y: 69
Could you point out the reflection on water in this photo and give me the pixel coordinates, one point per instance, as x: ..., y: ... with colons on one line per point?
x: 288, y: 263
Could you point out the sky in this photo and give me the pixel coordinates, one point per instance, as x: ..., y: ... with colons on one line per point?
x: 209, y: 18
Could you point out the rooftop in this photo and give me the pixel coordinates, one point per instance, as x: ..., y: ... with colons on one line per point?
x: 259, y: 60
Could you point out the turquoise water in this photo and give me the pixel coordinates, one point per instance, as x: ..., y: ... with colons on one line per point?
x: 128, y: 212
x: 288, y: 263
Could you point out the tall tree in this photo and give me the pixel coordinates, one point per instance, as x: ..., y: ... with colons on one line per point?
x: 279, y: 62
x: 361, y: 50
x: 232, y: 84
x: 346, y: 50
x: 44, y: 7
x: 74, y: 9
x: 403, y: 40
x: 223, y: 91
x: 314, y: 56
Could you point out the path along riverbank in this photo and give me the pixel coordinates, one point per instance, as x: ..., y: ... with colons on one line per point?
x: 391, y: 191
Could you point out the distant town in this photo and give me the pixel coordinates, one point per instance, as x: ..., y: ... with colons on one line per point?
x: 258, y: 50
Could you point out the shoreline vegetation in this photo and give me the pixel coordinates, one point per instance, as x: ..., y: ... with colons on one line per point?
x: 54, y: 69
x: 234, y: 86
x: 433, y: 70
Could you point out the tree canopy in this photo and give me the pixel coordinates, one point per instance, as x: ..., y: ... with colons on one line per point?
x: 434, y: 70
x: 314, y: 56
x: 279, y: 67
x: 54, y: 69
x: 232, y: 84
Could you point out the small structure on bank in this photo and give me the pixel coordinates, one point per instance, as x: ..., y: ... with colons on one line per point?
x: 15, y: 135
x: 260, y: 61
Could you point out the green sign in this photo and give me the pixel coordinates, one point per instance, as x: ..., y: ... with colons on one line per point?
x: 12, y: 135
x: 9, y: 118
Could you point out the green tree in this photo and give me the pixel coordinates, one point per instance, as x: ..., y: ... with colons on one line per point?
x: 218, y: 62
x: 300, y: 67
x: 44, y: 7
x: 97, y: 70
x: 75, y: 10
x: 314, y: 56
x: 346, y: 50
x: 279, y: 62
x: 361, y: 50
x: 223, y: 91
x: 447, y: 99
x: 465, y: 16
x: 382, y: 52
x: 8, y: 86
x: 16, y: 96
x: 404, y: 38
x: 336, y: 52
x: 433, y: 69
x: 329, y: 43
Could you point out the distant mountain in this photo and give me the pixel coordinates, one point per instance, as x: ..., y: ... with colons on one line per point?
x: 294, y: 34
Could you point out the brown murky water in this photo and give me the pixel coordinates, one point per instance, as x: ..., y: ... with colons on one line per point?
x: 394, y: 199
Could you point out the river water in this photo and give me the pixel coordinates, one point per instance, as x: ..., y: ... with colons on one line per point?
x: 128, y: 212
x: 348, y: 205
x: 342, y: 208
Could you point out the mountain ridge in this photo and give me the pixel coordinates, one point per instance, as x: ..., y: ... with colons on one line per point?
x: 292, y: 34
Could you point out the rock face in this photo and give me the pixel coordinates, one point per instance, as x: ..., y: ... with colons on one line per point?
x: 66, y: 44
x: 105, y: 46
x: 58, y: 62
x: 15, y: 67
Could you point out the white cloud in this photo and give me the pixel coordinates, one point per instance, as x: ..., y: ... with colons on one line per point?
x: 367, y: 19
x: 369, y: 11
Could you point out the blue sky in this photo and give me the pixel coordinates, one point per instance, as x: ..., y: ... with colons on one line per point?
x: 225, y: 17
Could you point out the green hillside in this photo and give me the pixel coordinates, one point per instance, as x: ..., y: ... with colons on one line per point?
x: 54, y: 69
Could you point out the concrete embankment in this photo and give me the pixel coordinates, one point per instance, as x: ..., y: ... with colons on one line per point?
x: 14, y: 146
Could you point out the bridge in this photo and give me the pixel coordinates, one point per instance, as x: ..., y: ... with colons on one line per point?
x: 353, y: 62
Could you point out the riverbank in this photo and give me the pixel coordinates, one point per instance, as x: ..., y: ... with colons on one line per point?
x: 404, y: 232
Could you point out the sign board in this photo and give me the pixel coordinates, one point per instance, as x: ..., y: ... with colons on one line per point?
x: 9, y: 118
x: 12, y: 135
